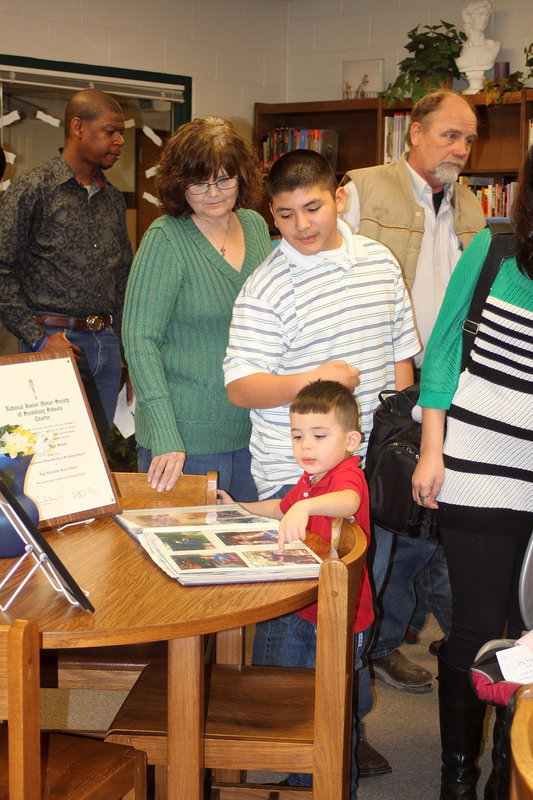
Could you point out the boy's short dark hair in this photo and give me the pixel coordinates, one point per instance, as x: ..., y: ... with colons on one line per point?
x: 321, y: 397
x: 300, y: 169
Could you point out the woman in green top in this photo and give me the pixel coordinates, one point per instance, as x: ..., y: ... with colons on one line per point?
x: 190, y: 267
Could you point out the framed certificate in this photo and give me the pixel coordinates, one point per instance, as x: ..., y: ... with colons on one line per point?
x: 44, y: 413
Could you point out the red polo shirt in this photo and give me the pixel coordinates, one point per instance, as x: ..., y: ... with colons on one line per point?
x: 346, y: 475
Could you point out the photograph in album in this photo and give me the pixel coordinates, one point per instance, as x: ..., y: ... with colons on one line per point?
x: 218, y: 544
x: 185, y: 517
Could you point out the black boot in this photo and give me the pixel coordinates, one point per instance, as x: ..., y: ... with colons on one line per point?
x: 497, y: 787
x: 461, y: 716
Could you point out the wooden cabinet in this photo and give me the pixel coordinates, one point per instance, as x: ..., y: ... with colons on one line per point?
x: 500, y: 149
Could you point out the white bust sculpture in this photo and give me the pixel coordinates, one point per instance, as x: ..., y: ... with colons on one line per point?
x: 478, y: 53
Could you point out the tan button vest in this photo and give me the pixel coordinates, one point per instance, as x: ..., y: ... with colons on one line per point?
x: 390, y: 215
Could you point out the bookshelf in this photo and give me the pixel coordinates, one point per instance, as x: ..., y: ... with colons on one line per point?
x: 504, y: 131
x: 346, y: 117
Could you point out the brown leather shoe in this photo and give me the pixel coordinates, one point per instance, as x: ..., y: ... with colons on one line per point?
x: 399, y: 671
x: 434, y: 646
x: 369, y: 761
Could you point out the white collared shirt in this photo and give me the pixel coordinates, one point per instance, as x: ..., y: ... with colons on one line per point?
x: 440, y: 251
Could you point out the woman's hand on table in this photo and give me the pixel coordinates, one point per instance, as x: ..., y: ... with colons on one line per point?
x: 223, y: 498
x: 165, y: 470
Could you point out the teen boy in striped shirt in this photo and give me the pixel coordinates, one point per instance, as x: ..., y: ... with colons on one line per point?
x: 327, y: 304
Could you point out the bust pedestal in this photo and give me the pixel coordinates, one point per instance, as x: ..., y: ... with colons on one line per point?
x: 475, y: 78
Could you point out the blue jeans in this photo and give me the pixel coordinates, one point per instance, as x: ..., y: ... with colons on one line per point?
x: 378, y: 564
x: 397, y: 599
x: 379, y: 556
x: 100, y: 368
x: 432, y: 587
x: 290, y: 641
x: 234, y: 470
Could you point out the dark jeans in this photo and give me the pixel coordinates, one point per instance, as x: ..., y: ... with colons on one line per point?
x: 234, y: 470
x: 432, y: 587
x: 100, y: 368
x: 484, y: 550
x: 397, y: 600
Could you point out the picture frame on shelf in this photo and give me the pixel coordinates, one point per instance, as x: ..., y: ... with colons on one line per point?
x: 362, y: 78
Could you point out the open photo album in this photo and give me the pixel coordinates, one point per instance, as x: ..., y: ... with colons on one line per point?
x: 218, y: 544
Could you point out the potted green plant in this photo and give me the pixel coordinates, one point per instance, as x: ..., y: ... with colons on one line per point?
x: 431, y: 64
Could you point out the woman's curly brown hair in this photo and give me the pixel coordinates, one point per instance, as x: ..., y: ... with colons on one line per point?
x: 196, y: 152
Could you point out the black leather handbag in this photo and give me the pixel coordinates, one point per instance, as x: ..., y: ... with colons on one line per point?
x: 392, y: 455
x: 394, y: 443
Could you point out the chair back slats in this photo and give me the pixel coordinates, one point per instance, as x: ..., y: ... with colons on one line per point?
x: 3, y: 672
x: 337, y: 587
x: 190, y: 490
x: 71, y: 767
x: 522, y: 745
x: 21, y: 644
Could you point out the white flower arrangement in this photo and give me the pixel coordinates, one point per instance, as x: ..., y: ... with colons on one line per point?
x: 16, y: 441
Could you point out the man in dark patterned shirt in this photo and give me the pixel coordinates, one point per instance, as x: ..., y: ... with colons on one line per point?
x: 8, y: 344
x: 65, y: 254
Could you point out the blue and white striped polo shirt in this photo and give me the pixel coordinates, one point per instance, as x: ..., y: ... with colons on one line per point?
x: 295, y: 312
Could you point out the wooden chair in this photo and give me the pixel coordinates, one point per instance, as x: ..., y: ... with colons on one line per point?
x: 522, y: 745
x: 271, y: 718
x: 118, y: 667
x: 190, y: 490
x: 71, y: 767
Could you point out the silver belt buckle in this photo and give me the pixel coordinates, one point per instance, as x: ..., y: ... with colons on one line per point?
x: 95, y: 323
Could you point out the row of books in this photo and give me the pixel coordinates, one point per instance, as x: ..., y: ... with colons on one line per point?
x: 395, y: 128
x: 282, y: 140
x: 217, y: 544
x: 496, y: 198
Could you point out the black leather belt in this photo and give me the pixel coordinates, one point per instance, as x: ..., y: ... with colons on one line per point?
x: 94, y: 322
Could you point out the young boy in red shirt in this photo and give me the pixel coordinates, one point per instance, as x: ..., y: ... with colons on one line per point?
x: 324, y: 418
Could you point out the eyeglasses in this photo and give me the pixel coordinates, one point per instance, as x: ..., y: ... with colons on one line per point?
x: 221, y: 183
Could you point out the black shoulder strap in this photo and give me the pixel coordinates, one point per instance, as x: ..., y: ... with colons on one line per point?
x: 503, y: 245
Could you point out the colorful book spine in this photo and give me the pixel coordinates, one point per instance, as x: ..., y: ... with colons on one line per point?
x: 395, y: 129
x: 496, y: 198
x: 283, y: 140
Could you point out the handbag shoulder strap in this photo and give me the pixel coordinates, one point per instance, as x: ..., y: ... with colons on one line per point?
x: 503, y: 244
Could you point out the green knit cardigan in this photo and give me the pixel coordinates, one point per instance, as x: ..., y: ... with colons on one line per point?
x: 177, y: 313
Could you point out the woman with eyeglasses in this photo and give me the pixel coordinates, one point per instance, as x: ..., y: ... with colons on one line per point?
x: 190, y: 267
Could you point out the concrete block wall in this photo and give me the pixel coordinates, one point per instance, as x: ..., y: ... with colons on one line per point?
x: 242, y: 51
x: 324, y: 33
x: 234, y: 50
